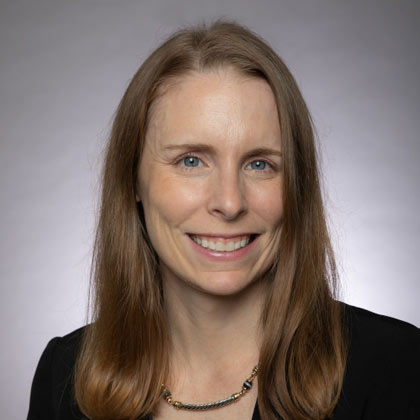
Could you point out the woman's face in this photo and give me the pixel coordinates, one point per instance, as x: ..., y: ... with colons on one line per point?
x: 210, y: 181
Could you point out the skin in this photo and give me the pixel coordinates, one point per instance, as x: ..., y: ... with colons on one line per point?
x: 213, y: 307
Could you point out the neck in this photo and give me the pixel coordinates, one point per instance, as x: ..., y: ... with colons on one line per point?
x: 213, y: 335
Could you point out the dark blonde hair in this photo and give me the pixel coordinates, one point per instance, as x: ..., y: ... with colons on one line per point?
x: 123, y: 357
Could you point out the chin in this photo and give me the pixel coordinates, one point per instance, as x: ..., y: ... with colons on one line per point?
x: 224, y: 284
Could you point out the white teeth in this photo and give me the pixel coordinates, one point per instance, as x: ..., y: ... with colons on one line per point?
x: 220, y: 246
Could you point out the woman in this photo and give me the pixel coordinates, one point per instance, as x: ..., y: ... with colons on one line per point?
x: 214, y: 276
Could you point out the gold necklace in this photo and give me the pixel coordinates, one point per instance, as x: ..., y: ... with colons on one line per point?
x: 246, y: 386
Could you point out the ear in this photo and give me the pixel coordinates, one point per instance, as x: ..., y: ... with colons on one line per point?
x: 138, y: 198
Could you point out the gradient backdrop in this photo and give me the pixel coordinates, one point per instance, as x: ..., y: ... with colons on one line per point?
x: 64, y: 68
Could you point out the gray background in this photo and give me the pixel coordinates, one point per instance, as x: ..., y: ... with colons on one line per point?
x: 64, y: 67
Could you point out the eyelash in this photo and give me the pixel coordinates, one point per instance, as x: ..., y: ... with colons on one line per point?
x: 189, y: 168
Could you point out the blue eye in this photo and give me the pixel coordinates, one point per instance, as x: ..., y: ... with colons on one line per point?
x: 258, y: 164
x: 191, y: 161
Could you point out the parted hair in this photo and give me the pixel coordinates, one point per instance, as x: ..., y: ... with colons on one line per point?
x: 123, y: 357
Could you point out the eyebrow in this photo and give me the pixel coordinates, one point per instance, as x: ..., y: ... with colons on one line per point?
x: 205, y: 148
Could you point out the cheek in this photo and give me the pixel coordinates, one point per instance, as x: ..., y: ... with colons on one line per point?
x: 169, y: 200
x: 268, y: 203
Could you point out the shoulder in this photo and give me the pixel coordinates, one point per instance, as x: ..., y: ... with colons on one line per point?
x: 383, y: 365
x: 362, y: 318
x: 67, y: 343
x: 67, y: 346
x: 61, y: 353
x: 370, y: 332
x: 52, y: 385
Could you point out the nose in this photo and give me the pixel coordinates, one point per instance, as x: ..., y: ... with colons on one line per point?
x: 227, y: 195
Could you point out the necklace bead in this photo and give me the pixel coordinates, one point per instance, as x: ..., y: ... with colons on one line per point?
x: 247, y: 385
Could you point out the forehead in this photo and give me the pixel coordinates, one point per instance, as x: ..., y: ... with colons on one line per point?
x: 215, y: 106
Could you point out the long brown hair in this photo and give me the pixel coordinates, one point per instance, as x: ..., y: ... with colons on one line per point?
x: 123, y: 357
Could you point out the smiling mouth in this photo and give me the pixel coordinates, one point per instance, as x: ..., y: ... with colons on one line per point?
x: 221, y: 244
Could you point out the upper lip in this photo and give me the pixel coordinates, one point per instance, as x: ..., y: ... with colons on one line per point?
x: 224, y: 235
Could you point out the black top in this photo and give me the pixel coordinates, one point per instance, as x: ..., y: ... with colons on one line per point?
x: 382, y: 379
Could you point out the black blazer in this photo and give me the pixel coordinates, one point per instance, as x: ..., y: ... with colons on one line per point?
x: 382, y: 379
